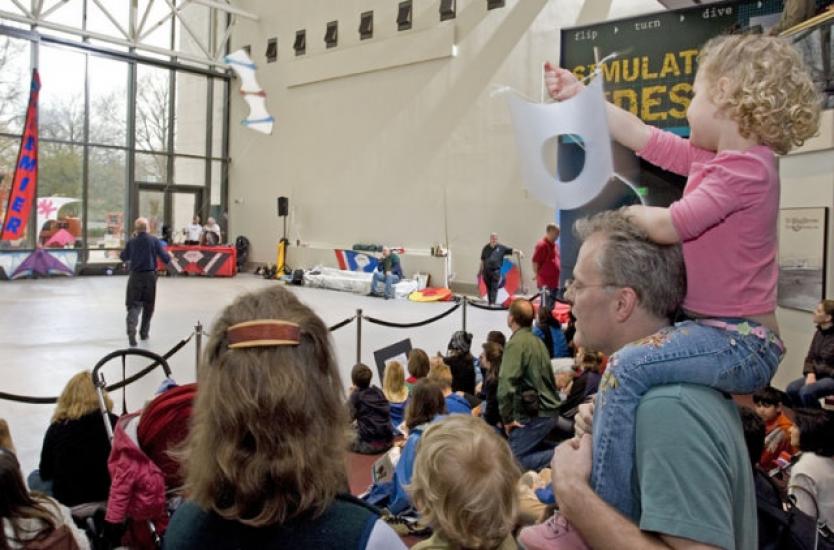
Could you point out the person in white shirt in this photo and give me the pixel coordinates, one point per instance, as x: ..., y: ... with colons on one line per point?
x: 212, y: 227
x: 193, y: 231
x: 812, y: 477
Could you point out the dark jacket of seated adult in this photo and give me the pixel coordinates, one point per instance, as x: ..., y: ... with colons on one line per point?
x: 584, y: 385
x: 74, y: 458
x: 462, y: 366
x: 372, y: 413
x: 820, y: 358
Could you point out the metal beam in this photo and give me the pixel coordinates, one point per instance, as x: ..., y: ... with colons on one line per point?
x: 142, y: 23
x: 186, y: 26
x: 105, y: 38
x: 59, y: 4
x: 227, y: 8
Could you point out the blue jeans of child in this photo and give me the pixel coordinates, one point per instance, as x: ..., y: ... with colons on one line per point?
x: 36, y: 483
x: 809, y: 395
x: 730, y: 355
x: 390, y: 280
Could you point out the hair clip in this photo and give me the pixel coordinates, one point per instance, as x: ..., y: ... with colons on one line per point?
x: 263, y: 333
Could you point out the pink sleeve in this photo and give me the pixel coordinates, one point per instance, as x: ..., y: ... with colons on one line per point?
x: 725, y: 188
x: 122, y: 477
x: 672, y: 152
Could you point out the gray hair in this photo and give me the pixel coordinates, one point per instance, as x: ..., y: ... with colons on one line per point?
x: 630, y: 259
x: 141, y: 225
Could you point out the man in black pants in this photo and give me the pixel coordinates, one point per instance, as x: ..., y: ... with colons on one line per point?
x: 492, y: 256
x: 141, y: 253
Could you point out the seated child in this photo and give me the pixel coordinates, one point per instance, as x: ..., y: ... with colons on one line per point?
x: 464, y: 486
x: 768, y: 403
x: 395, y: 390
x: 441, y: 375
x: 370, y: 410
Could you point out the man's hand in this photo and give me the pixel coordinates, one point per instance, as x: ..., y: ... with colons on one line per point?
x: 584, y: 420
x: 508, y: 428
x: 561, y: 83
x: 810, y: 378
x: 571, y: 464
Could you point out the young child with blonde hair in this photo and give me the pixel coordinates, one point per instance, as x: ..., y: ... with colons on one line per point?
x: 752, y: 99
x: 464, y: 486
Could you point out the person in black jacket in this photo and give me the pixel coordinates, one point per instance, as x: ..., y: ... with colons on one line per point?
x: 372, y: 413
x: 461, y: 362
x: 140, y: 254
x: 818, y: 371
x: 73, y: 465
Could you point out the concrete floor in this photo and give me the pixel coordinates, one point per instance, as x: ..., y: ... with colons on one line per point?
x: 52, y: 328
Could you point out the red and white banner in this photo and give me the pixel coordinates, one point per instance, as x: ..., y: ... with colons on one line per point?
x: 25, y: 182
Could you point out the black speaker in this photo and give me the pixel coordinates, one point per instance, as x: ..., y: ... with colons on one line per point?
x: 283, y: 206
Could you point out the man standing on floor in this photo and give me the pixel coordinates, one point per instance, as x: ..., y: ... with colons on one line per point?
x: 528, y: 400
x: 140, y: 254
x: 492, y: 256
x: 547, y: 265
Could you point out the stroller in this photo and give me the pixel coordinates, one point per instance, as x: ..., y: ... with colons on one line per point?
x: 145, y: 479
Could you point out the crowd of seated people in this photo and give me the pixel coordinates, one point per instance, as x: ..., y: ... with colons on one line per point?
x: 242, y: 447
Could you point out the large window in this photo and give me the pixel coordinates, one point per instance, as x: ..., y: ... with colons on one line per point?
x: 104, y: 110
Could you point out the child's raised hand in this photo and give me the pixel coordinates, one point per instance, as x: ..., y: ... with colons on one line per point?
x: 561, y: 83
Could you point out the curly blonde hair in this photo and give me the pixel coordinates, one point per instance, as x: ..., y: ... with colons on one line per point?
x: 78, y: 398
x: 464, y: 482
x: 771, y: 97
x: 267, y: 441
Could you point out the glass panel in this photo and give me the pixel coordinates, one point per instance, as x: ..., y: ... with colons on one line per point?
x: 15, y: 79
x: 108, y: 101
x: 216, y: 182
x: 189, y: 171
x: 152, y: 206
x: 59, y: 195
x: 197, y: 18
x: 152, y: 101
x: 68, y: 13
x: 98, y: 22
x: 217, y: 121
x: 151, y: 168
x: 8, y: 156
x: 62, y: 94
x: 106, y: 203
x: 190, y: 114
x: 157, y: 25
x: 184, y: 206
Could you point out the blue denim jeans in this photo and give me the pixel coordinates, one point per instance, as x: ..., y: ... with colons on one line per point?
x: 528, y: 443
x: 736, y: 356
x: 809, y: 395
x: 390, y: 280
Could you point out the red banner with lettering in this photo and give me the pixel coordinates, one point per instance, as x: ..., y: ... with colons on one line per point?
x: 25, y: 181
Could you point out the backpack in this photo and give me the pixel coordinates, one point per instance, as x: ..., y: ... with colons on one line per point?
x: 786, y: 527
x: 242, y: 248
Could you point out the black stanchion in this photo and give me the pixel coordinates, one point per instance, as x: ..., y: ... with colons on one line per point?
x: 464, y: 300
x: 359, y: 335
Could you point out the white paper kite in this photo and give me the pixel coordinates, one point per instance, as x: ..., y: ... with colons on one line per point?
x: 259, y: 119
x: 537, y: 126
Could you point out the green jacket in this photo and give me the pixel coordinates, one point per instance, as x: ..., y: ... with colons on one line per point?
x: 526, y: 366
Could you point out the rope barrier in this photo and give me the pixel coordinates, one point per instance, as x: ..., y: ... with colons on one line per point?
x: 412, y: 325
x: 480, y: 304
x: 127, y: 381
x: 341, y: 324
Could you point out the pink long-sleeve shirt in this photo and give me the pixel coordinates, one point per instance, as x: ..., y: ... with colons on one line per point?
x: 727, y: 220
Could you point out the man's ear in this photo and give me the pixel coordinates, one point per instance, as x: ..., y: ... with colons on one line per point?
x: 625, y: 304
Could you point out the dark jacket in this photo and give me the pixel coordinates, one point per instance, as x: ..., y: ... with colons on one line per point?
x: 583, y: 385
x: 391, y: 264
x: 141, y: 252
x: 820, y: 358
x: 463, y: 372
x: 372, y: 413
x: 526, y: 369
x: 74, y: 457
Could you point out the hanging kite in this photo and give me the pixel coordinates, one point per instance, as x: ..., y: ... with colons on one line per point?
x: 259, y: 119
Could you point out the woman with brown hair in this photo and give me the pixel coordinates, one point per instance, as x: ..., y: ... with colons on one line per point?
x: 265, y: 459
x: 32, y: 519
x: 73, y: 465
